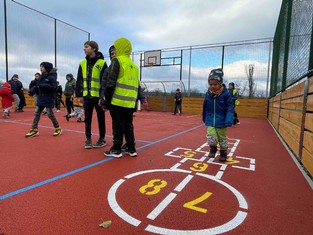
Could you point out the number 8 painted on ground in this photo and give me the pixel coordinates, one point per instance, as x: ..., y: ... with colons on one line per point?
x: 152, y: 184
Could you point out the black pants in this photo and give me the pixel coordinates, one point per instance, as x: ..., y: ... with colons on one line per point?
x: 89, y: 105
x: 22, y: 101
x: 178, y: 107
x: 122, y: 121
x: 58, y: 102
x: 69, y: 104
x: 236, y: 120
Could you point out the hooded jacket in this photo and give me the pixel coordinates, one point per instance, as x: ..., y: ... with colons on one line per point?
x: 46, y: 89
x: 70, y: 86
x: 120, y: 90
x: 6, y: 94
x: 218, y: 110
x: 16, y: 86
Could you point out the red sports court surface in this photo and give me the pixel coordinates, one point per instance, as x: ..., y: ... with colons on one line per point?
x: 52, y: 185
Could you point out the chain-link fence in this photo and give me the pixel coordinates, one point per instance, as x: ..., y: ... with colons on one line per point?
x: 32, y: 37
x: 293, y: 49
x: 188, y: 68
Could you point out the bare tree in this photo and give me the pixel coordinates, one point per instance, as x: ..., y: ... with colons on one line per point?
x: 251, y: 83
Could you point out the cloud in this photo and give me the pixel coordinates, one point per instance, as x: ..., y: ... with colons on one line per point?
x: 149, y: 25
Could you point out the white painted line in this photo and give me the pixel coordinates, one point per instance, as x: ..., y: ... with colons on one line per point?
x: 230, y: 225
x: 219, y: 174
x: 150, y: 171
x: 161, y: 206
x: 241, y: 200
x: 183, y: 183
x: 116, y: 208
x: 176, y: 166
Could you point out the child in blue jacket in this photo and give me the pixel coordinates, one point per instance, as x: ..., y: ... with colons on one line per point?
x: 217, y: 114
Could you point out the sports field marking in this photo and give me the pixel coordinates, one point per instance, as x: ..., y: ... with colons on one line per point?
x: 19, y: 191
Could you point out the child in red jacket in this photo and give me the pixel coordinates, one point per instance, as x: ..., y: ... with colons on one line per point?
x: 7, y: 99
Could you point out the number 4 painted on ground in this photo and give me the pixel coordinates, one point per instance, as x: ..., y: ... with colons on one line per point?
x: 191, y: 204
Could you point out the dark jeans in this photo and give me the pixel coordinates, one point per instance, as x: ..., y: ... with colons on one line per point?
x: 89, y: 105
x: 22, y: 101
x: 69, y: 104
x: 178, y: 107
x: 50, y: 114
x: 122, y: 121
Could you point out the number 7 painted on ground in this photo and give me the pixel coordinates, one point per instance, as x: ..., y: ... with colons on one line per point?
x: 191, y: 204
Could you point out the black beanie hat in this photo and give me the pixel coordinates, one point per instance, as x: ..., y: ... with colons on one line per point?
x: 48, y: 66
x: 217, y: 75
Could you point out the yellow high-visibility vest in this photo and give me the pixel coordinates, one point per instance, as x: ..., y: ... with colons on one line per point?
x: 126, y: 90
x: 95, y: 77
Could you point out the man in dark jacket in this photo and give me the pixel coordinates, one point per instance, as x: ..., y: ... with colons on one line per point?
x: 18, y: 93
x: 34, y: 83
x: 178, y: 102
x: 46, y: 89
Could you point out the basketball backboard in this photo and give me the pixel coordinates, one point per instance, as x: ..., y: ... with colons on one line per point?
x: 152, y: 58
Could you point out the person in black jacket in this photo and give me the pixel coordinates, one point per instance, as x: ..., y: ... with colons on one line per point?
x: 178, y: 102
x: 18, y: 93
x: 121, y: 93
x: 69, y: 92
x: 88, y: 86
x: 46, y: 89
x: 58, y: 98
x: 34, y: 83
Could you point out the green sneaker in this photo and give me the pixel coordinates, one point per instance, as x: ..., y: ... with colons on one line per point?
x: 32, y: 132
x: 57, y: 131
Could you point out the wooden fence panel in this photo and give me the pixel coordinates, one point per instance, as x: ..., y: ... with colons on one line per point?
x: 309, y: 121
x: 310, y: 103
x: 255, y: 108
x: 297, y: 90
x: 307, y: 151
x: 291, y: 134
x: 293, y: 116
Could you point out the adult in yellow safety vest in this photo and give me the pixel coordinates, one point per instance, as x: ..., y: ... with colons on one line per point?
x: 88, y: 86
x: 121, y: 93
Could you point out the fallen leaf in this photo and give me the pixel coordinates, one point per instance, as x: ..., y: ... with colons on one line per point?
x: 105, y: 224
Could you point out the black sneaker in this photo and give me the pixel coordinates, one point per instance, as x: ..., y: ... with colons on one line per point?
x: 130, y: 152
x: 67, y: 117
x: 88, y: 144
x: 113, y: 153
x: 124, y: 147
x: 100, y: 143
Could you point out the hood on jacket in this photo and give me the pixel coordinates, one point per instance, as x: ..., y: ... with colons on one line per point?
x: 123, y: 47
x: 14, y: 76
x: 70, y: 76
x: 7, y: 85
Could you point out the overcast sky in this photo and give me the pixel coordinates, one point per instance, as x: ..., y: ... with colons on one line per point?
x: 161, y: 24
